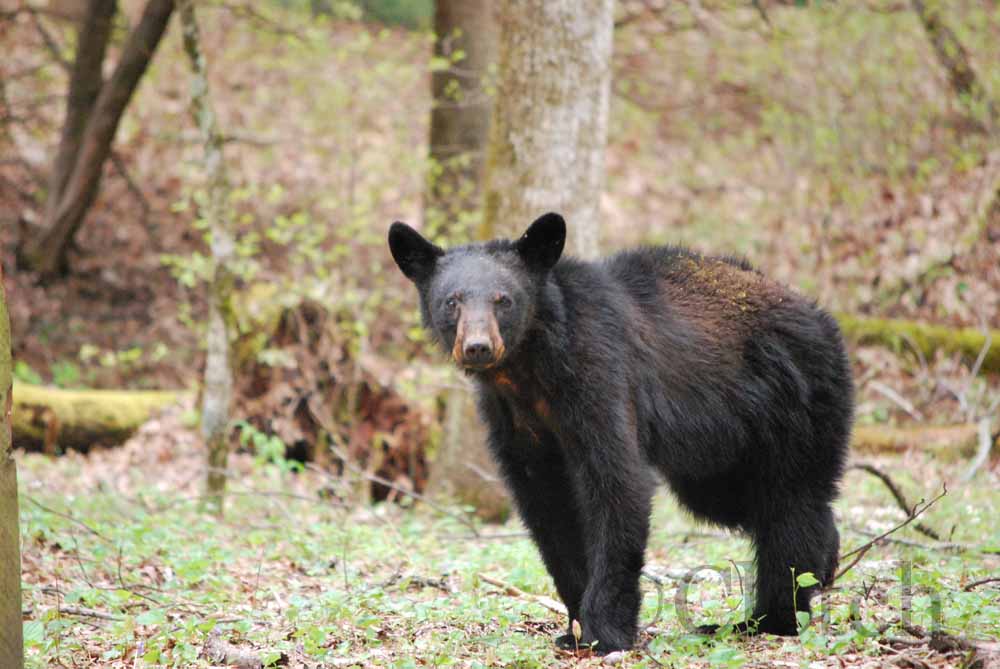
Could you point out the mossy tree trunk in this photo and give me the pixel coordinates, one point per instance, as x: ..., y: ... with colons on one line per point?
x: 11, y: 646
x: 549, y: 130
x: 54, y: 418
x: 925, y: 338
x: 465, y: 50
x: 218, y: 387
x: 466, y: 39
x: 546, y: 152
x: 463, y: 469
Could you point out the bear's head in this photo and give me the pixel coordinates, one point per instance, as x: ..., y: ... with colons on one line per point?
x: 479, y: 300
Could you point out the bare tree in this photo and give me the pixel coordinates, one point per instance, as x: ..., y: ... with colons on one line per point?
x: 549, y: 131
x: 94, y: 108
x: 11, y: 647
x: 218, y: 390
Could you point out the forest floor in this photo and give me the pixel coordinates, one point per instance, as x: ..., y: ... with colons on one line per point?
x: 123, y: 568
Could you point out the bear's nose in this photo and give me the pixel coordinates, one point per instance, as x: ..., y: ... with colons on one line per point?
x: 478, y: 351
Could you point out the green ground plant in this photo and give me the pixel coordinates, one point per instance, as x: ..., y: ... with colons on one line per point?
x: 123, y: 568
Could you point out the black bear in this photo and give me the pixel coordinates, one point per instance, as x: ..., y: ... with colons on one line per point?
x: 594, y: 376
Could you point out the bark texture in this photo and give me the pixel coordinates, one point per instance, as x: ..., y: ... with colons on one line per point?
x: 466, y: 38
x: 47, y: 253
x: 218, y: 390
x: 463, y: 469
x: 549, y: 130
x: 49, y: 419
x: 85, y: 83
x: 11, y: 646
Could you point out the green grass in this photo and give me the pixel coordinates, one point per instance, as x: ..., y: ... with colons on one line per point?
x: 303, y: 578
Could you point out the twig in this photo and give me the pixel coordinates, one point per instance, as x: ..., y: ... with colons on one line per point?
x: 898, y: 495
x: 940, y: 546
x: 350, y: 464
x: 678, y: 575
x: 510, y: 590
x: 67, y: 517
x: 969, y: 587
x: 659, y: 600
x: 482, y: 473
x: 246, y: 11
x: 982, y: 453
x: 485, y: 537
x: 374, y: 478
x: 987, y: 343
x: 50, y: 42
x: 864, y: 548
x: 133, y: 187
x: 898, y: 399
x: 645, y: 651
x: 88, y: 613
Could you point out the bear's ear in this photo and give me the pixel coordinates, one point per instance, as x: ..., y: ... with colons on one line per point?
x: 415, y: 255
x: 542, y: 243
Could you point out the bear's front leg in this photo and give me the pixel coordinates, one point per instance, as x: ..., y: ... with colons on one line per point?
x: 544, y: 494
x: 537, y: 475
x: 615, y: 490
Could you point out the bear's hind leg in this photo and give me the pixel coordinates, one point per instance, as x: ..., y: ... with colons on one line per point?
x: 802, y: 539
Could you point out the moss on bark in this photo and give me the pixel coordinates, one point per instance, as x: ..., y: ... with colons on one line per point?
x: 925, y: 338
x: 11, y: 647
x: 949, y: 442
x: 46, y: 418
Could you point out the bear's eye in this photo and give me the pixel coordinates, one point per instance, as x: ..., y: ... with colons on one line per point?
x: 503, y: 300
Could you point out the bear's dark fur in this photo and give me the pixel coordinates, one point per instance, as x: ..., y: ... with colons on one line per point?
x: 594, y: 376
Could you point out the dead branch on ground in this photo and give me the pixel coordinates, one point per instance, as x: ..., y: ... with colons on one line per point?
x: 898, y: 496
x: 861, y: 550
x: 511, y: 591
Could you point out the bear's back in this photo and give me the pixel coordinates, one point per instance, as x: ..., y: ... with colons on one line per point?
x: 723, y: 296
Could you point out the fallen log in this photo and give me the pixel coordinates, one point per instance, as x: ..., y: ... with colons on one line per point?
x: 926, y: 338
x: 945, y: 441
x: 49, y: 418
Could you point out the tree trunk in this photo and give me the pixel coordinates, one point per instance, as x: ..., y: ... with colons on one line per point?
x: 949, y: 442
x: 547, y: 140
x: 85, y: 83
x: 47, y: 254
x: 218, y: 392
x: 926, y: 338
x: 463, y: 469
x: 48, y: 419
x: 466, y: 39
x: 11, y: 647
x: 955, y: 60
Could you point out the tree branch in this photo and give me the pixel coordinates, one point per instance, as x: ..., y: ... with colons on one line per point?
x: 48, y: 253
